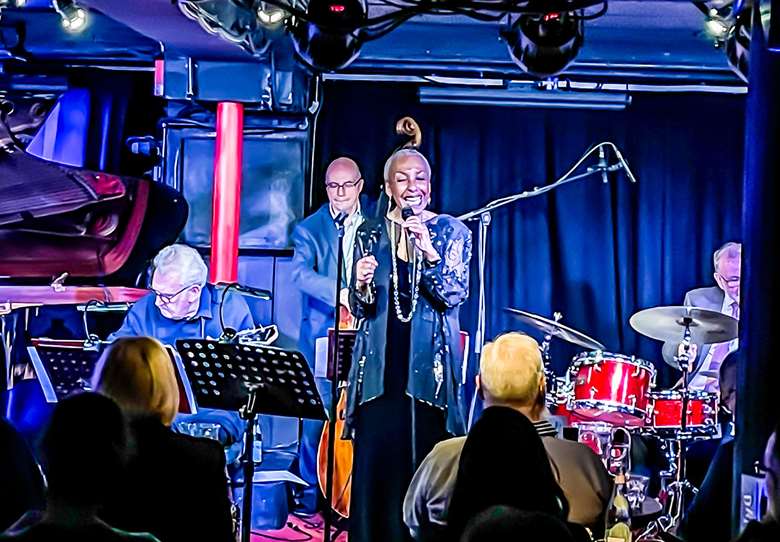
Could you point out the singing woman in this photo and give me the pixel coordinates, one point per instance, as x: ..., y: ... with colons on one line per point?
x: 411, y: 275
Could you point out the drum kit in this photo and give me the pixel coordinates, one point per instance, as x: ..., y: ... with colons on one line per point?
x: 610, y: 397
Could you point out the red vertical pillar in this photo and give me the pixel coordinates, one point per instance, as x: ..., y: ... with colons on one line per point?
x: 226, y: 210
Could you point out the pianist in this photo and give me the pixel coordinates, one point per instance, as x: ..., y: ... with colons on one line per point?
x: 183, y: 306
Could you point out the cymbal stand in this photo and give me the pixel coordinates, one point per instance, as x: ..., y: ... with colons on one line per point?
x: 549, y: 374
x: 675, y: 448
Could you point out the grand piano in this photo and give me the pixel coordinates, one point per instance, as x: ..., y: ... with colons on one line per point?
x: 71, y: 237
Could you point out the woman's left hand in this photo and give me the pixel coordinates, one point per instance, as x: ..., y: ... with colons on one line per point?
x: 422, y: 237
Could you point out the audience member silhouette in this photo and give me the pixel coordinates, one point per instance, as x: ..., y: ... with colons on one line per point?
x: 20, y: 477
x: 175, y: 486
x: 83, y: 449
x: 507, y: 524
x: 504, y: 463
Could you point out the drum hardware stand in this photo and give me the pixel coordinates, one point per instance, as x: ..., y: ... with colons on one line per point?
x: 549, y: 374
x: 675, y: 449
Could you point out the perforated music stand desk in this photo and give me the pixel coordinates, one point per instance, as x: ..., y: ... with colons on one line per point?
x: 344, y: 351
x: 63, y: 367
x: 221, y: 376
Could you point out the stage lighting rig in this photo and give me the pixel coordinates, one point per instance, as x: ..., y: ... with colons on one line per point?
x: 238, y: 22
x: 270, y: 16
x: 74, y: 17
x: 328, y: 38
x: 546, y: 42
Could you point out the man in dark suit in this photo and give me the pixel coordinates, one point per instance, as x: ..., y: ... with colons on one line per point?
x: 723, y: 298
x: 314, y: 274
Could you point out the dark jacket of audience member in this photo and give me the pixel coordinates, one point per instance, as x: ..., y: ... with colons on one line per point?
x: 503, y: 463
x: 175, y: 486
x: 84, y: 448
x: 21, y: 483
x: 506, y: 524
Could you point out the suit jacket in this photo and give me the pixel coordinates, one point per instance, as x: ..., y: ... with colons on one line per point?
x: 578, y: 471
x: 174, y: 487
x: 314, y: 274
x: 704, y: 298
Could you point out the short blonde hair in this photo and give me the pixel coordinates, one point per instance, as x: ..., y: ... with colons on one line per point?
x: 511, y: 369
x: 137, y: 373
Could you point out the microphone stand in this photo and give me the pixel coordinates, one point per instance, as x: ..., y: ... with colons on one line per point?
x: 483, y: 214
x: 334, y: 383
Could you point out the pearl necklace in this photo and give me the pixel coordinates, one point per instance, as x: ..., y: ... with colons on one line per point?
x: 415, y: 286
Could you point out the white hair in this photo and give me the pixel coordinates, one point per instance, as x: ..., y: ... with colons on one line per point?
x: 184, y: 261
x: 729, y: 250
x: 402, y: 153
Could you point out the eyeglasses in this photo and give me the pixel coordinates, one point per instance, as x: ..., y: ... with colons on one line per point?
x: 167, y: 298
x: 730, y: 281
x: 346, y: 186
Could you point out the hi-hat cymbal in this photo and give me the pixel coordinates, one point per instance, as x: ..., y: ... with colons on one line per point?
x: 668, y: 324
x: 555, y: 329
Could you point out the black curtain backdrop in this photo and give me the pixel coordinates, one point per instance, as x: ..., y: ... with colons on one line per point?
x: 595, y: 252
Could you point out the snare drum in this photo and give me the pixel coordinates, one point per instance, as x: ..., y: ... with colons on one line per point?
x: 664, y: 414
x: 610, y: 388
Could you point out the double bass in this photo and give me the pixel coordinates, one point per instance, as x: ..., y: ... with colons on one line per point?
x: 342, y: 449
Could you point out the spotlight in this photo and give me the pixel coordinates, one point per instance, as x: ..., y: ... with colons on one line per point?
x: 270, y: 16
x: 328, y: 40
x: 544, y: 44
x: 74, y: 18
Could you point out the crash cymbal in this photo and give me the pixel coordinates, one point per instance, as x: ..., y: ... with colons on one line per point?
x: 555, y: 329
x: 668, y: 324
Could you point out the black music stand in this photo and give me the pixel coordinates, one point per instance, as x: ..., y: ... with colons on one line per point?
x: 346, y: 343
x: 252, y: 380
x: 63, y: 367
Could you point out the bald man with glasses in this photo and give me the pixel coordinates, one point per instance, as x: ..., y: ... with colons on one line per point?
x: 314, y: 274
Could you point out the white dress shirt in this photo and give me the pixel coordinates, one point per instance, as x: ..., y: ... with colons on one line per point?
x: 351, y: 225
x: 706, y: 378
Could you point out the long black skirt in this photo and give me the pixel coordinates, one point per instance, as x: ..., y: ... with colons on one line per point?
x: 393, y: 434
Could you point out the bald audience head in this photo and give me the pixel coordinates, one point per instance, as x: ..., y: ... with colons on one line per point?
x: 512, y: 374
x: 344, y: 183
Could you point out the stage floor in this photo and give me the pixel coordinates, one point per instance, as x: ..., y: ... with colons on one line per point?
x: 298, y: 529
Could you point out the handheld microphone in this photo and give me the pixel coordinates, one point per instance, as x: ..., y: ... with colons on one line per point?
x: 407, y: 212
x: 603, y: 164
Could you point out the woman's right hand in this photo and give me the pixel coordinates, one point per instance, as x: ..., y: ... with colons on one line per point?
x: 364, y: 271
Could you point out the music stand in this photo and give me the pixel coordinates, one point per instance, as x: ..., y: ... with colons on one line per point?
x: 346, y: 343
x: 252, y: 380
x: 63, y: 367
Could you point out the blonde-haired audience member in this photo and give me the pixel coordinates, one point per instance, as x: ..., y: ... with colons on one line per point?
x: 175, y: 486
x: 137, y: 373
x: 511, y: 375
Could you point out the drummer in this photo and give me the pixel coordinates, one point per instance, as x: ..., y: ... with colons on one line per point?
x: 724, y: 298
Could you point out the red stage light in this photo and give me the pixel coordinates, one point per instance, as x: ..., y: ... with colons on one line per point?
x: 551, y: 17
x: 337, y: 8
